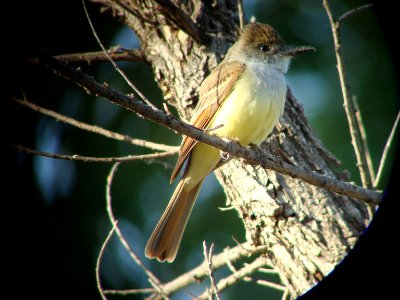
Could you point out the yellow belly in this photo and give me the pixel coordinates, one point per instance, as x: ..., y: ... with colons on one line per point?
x: 251, y: 111
x: 248, y: 115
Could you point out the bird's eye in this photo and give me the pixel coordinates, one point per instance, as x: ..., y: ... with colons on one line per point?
x: 264, y: 47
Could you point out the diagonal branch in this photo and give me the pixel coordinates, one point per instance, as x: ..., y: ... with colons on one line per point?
x: 77, y: 157
x: 353, y: 11
x: 152, y: 278
x: 232, y: 279
x: 389, y: 147
x: 255, y: 156
x: 182, y: 20
x: 364, y: 139
x: 129, y: 292
x: 245, y: 250
x: 349, y: 105
x: 96, y: 129
x: 208, y: 255
x: 123, y: 75
x: 99, y: 259
x: 116, y: 53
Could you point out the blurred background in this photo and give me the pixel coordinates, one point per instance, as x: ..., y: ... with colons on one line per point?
x: 58, y: 207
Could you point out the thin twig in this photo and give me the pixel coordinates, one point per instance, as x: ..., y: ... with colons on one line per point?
x: 348, y: 103
x: 143, y: 97
x: 98, y: 263
x: 368, y: 158
x: 383, y: 165
x: 254, y: 156
x: 116, y: 53
x: 234, y: 278
x: 229, y: 263
x: 364, y: 139
x: 208, y: 257
x: 241, y: 13
x: 96, y: 129
x: 152, y: 279
x: 77, y: 157
x: 268, y: 271
x: 286, y: 294
x: 353, y: 11
x: 214, y: 128
x: 129, y: 292
x: 270, y: 284
x: 370, y: 166
x: 219, y: 260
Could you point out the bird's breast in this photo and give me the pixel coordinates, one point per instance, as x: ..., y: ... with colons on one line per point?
x: 253, y: 108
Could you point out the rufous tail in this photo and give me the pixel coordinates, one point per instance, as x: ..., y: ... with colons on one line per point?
x: 166, y: 237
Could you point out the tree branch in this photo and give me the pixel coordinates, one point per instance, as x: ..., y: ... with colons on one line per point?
x: 98, y: 263
x: 233, y: 255
x: 364, y: 139
x: 241, y: 14
x: 258, y: 156
x: 208, y: 255
x: 152, y: 278
x: 129, y: 292
x: 123, y: 75
x: 349, y: 106
x: 77, y: 157
x: 353, y: 11
x: 383, y: 165
x: 96, y: 129
x: 116, y: 53
x: 232, y: 279
x: 182, y: 20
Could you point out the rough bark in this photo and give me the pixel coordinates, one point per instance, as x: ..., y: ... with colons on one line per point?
x: 308, y: 230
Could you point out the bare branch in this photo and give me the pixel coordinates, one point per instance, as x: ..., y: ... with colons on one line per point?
x: 182, y: 20
x: 368, y: 158
x: 129, y: 292
x: 220, y: 260
x: 143, y: 97
x: 116, y: 53
x: 348, y: 103
x: 353, y: 11
x: 235, y: 277
x: 208, y: 257
x: 96, y: 129
x: 286, y: 294
x: 255, y: 156
x: 77, y: 157
x: 241, y: 14
x: 98, y: 263
x: 364, y: 139
x: 152, y: 279
x: 388, y: 147
x: 271, y: 285
x: 268, y: 271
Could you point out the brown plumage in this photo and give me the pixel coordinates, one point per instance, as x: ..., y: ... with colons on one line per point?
x: 164, y: 242
x: 243, y: 97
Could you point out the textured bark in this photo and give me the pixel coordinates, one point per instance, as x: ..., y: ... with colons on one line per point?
x: 308, y: 230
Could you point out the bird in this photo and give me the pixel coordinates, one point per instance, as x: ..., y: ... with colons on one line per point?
x: 241, y: 99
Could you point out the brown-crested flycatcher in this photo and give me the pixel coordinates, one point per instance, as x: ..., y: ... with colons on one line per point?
x: 242, y: 99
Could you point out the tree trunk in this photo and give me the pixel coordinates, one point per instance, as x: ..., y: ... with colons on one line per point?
x: 308, y: 230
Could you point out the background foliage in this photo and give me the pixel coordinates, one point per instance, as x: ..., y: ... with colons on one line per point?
x: 60, y: 205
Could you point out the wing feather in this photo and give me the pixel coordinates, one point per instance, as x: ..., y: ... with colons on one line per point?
x: 211, y: 97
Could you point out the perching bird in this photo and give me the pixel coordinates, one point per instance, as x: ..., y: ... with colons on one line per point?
x: 242, y: 99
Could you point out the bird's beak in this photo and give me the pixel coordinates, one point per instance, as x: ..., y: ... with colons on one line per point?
x: 293, y: 51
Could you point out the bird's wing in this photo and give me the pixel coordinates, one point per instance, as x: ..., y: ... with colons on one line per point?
x: 211, y: 97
